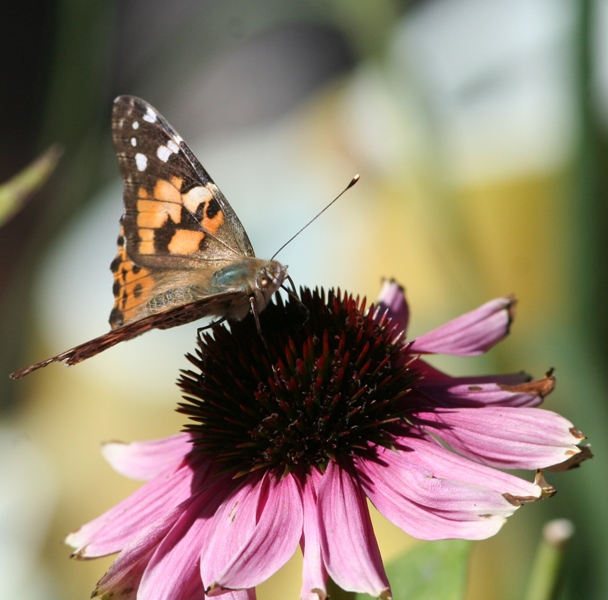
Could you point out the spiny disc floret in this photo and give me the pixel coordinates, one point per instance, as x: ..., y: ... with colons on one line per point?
x: 329, y: 384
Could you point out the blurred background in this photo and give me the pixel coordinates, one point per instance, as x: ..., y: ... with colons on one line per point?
x: 479, y: 131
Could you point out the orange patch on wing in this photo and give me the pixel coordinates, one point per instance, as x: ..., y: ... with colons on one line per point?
x: 154, y: 211
x: 176, y: 182
x: 132, y: 288
x: 166, y: 192
x: 136, y: 291
x: 185, y: 241
x: 146, y: 243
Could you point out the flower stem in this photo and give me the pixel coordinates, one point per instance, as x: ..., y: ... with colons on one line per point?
x: 546, y: 570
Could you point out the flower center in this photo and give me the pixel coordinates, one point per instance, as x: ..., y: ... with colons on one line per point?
x: 321, y: 387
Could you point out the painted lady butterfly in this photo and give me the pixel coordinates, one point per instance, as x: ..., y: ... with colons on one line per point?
x: 182, y: 251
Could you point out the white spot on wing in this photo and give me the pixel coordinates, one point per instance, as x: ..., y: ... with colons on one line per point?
x: 173, y: 146
x: 150, y: 115
x: 141, y: 160
x: 135, y: 124
x: 193, y: 199
x: 164, y: 153
x: 133, y: 142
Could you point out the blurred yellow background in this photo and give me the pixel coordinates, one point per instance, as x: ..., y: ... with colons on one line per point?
x: 479, y: 133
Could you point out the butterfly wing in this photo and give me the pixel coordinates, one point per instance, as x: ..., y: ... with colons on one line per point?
x: 172, y: 317
x: 177, y: 226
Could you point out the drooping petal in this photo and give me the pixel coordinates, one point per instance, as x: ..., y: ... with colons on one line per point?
x: 173, y: 571
x: 253, y: 535
x: 442, y: 463
x: 123, y: 585
x: 146, y: 460
x: 314, y: 574
x: 350, y: 549
x: 392, y: 298
x: 126, y: 571
x: 470, y: 334
x: 248, y: 594
x: 430, y: 507
x: 508, y: 438
x: 114, y: 529
x: 433, y: 376
x: 478, y: 393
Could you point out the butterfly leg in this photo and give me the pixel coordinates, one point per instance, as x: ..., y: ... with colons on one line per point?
x: 200, y: 330
x: 258, y: 326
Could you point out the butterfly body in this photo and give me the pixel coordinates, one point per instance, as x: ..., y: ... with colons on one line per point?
x: 227, y: 293
x: 182, y: 252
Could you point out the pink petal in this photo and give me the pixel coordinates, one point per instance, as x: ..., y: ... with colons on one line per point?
x: 430, y: 507
x: 441, y: 463
x: 248, y: 594
x: 314, y: 574
x: 470, y: 334
x: 470, y: 391
x: 114, y: 529
x: 392, y: 298
x: 350, y: 550
x: 146, y: 460
x: 173, y: 572
x: 123, y: 584
x: 126, y: 571
x: 510, y: 438
x: 433, y: 376
x: 254, y: 534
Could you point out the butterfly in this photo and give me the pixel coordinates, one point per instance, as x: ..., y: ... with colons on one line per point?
x: 182, y: 253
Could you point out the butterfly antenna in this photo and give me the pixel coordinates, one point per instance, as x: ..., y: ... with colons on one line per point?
x: 293, y: 237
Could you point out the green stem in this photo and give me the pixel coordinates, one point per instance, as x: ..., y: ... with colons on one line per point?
x: 547, y: 566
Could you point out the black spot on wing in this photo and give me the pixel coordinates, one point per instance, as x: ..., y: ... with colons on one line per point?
x: 115, y: 264
x: 163, y: 236
x: 191, y: 221
x: 213, y: 207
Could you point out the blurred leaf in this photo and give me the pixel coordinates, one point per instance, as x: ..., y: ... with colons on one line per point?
x: 429, y: 571
x: 17, y: 190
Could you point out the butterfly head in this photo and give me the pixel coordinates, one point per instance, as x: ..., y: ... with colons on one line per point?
x: 269, y: 278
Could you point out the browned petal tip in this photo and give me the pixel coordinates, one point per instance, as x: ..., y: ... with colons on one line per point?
x: 519, y: 500
x: 546, y: 490
x: 574, y: 461
x: 538, y: 387
x: 577, y: 433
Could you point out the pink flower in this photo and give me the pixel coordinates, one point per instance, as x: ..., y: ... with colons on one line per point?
x: 288, y: 439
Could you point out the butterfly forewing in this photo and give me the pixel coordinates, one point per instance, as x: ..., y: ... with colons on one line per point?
x: 169, y: 194
x: 175, y: 217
